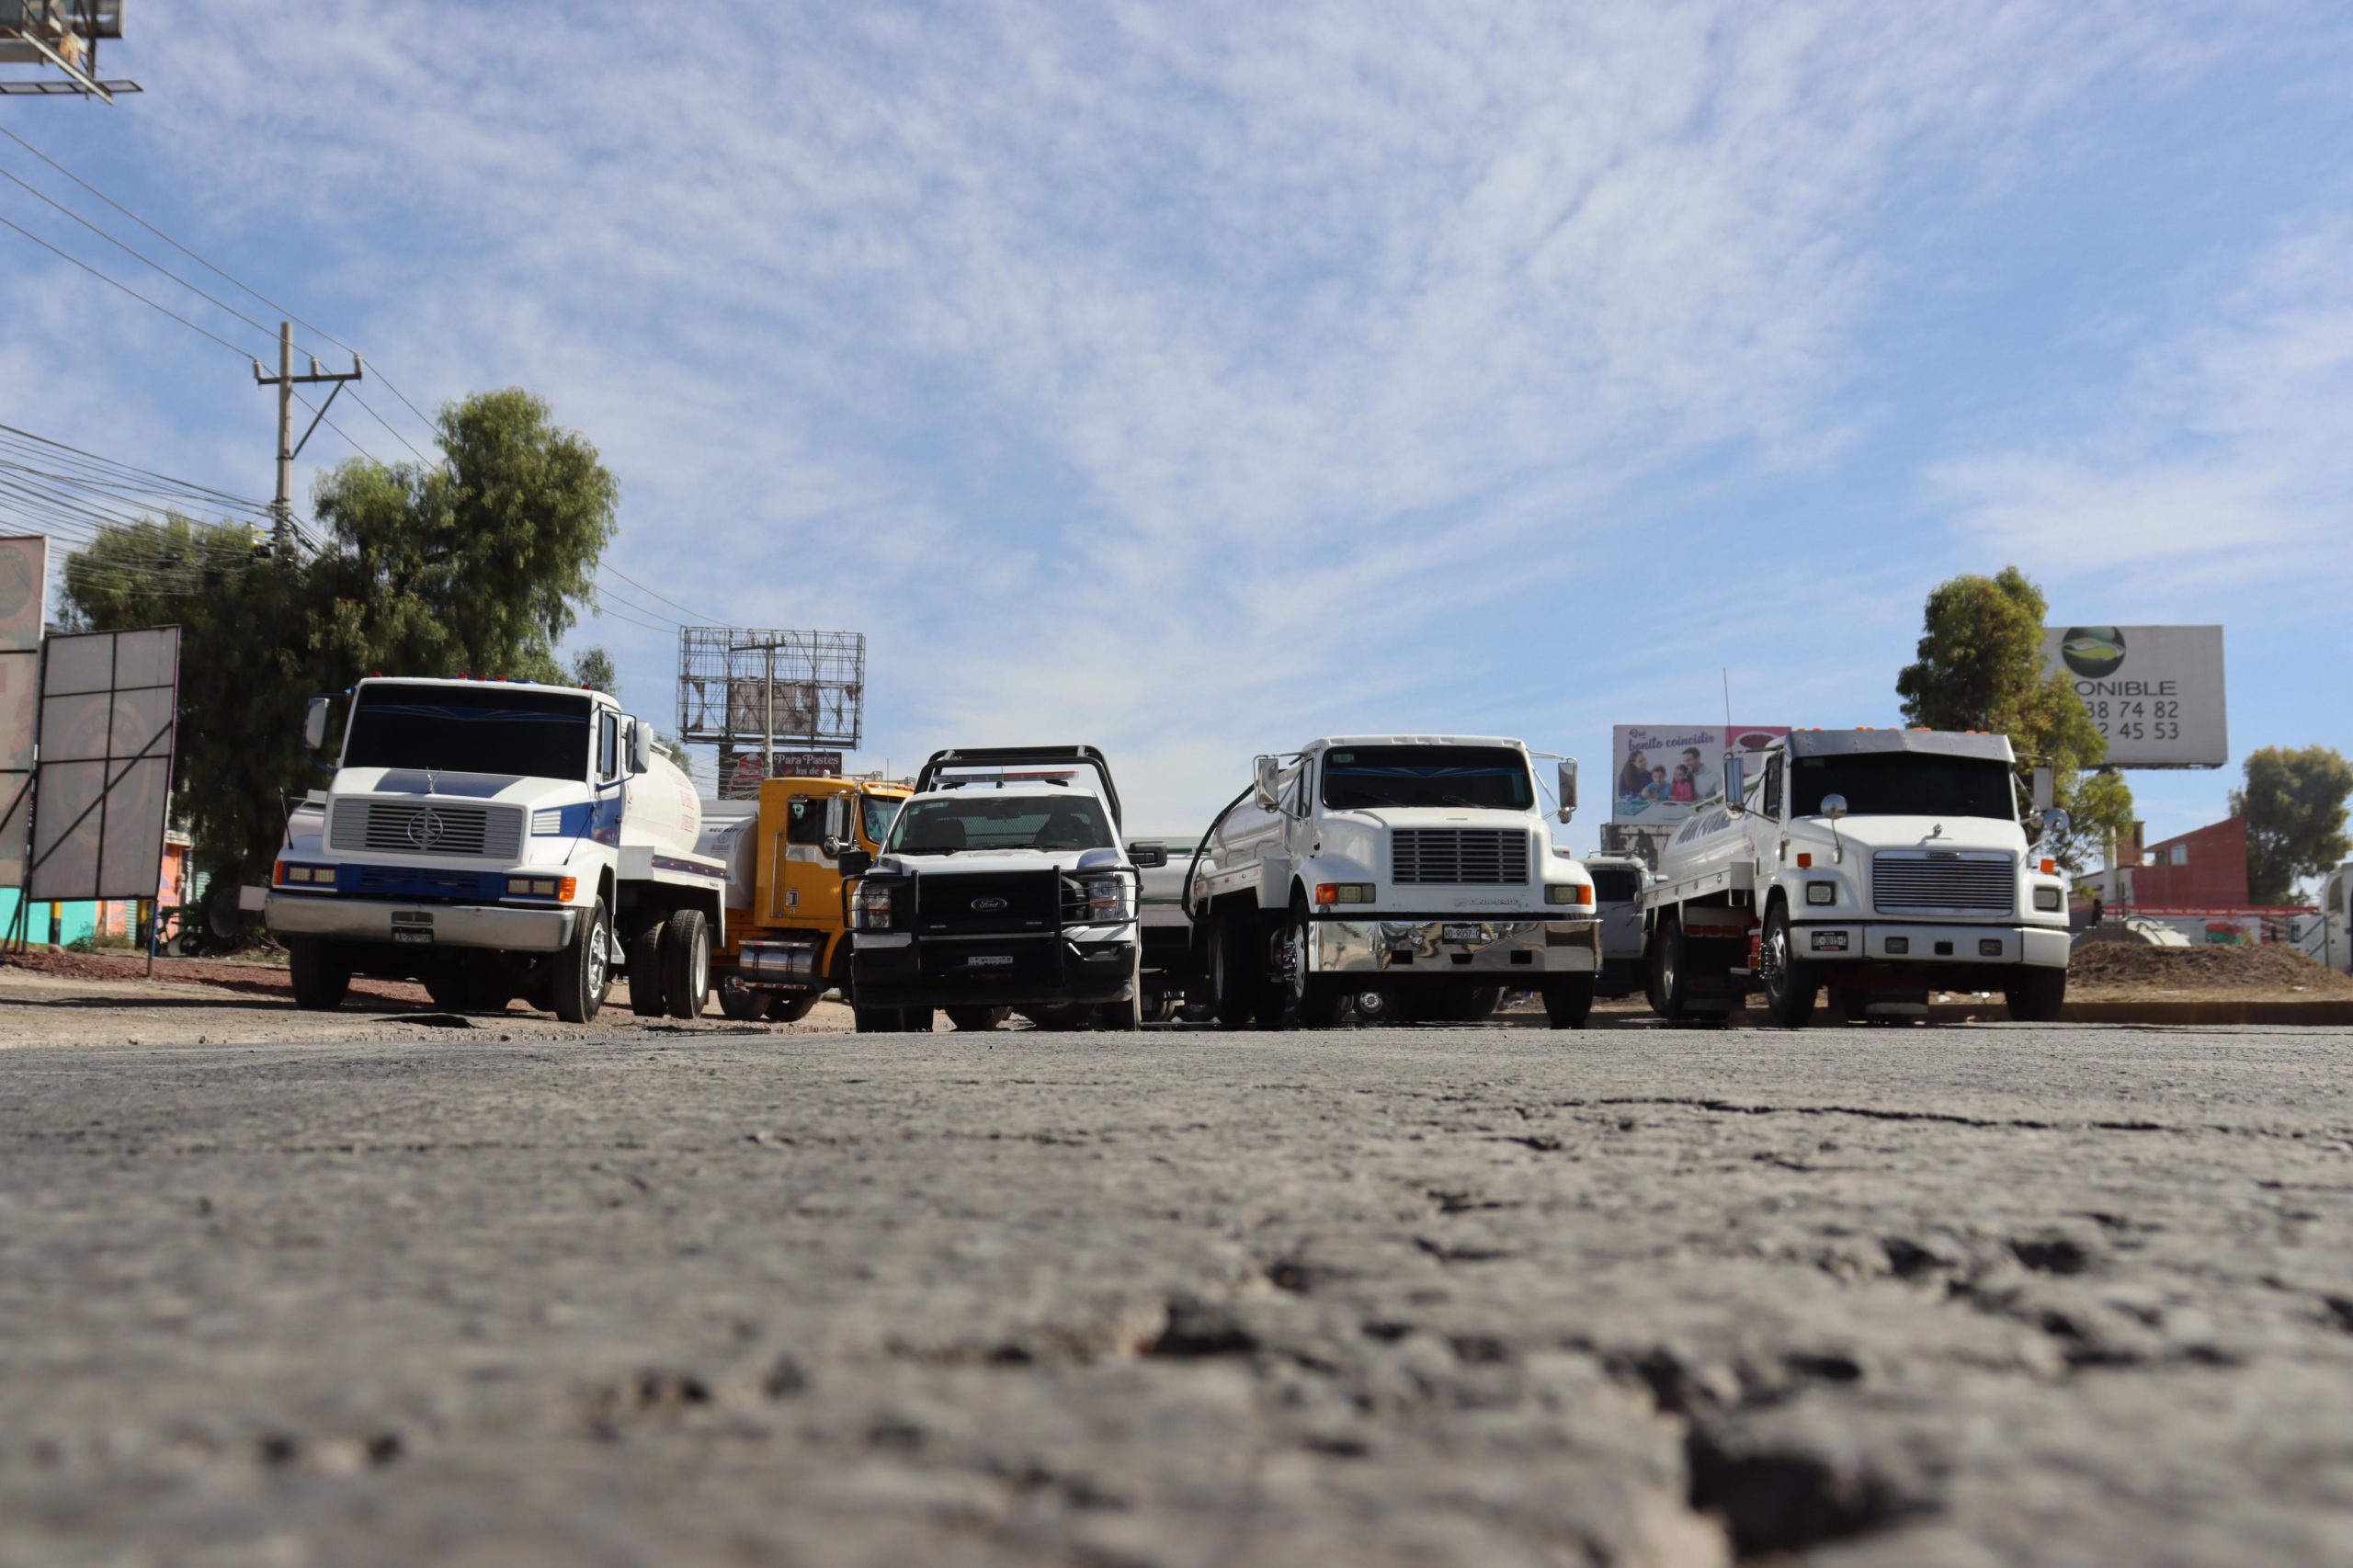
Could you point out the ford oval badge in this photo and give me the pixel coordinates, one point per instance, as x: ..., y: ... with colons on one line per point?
x: 988, y: 905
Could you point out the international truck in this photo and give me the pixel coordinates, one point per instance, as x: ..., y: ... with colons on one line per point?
x: 1417, y: 866
x: 1880, y: 865
x: 497, y: 839
x: 788, y: 898
x: 1002, y: 884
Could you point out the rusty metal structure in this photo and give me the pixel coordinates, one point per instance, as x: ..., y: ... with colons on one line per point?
x: 754, y: 694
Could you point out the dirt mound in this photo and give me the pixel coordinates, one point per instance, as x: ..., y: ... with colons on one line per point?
x: 2132, y: 966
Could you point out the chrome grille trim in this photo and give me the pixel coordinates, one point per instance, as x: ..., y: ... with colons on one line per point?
x: 473, y: 831
x: 1463, y: 856
x: 1920, y: 881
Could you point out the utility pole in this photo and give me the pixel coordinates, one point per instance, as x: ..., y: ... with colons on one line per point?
x: 282, y: 534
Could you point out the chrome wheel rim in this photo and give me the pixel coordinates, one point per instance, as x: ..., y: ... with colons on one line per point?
x: 597, y: 958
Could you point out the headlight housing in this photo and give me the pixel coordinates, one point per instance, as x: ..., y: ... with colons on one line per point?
x: 1822, y: 892
x: 2050, y: 899
x: 875, y: 906
x: 1109, y: 901
x: 1343, y: 892
x: 1569, y: 893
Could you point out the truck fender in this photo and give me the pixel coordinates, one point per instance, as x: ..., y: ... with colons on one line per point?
x: 1276, y: 873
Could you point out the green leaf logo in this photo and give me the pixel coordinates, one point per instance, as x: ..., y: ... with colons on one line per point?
x: 2092, y: 651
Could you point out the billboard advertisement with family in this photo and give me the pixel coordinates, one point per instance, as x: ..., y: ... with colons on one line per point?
x: 1666, y: 771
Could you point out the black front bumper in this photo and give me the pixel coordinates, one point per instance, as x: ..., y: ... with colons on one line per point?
x: 1032, y: 970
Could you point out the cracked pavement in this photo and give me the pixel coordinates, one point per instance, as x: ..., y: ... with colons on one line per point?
x: 1964, y: 1296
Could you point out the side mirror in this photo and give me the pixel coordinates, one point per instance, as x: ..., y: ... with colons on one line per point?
x: 314, y: 723
x: 2056, y: 824
x: 2046, y: 790
x: 1568, y: 778
x: 1147, y: 856
x: 641, y: 746
x: 857, y: 862
x: 1263, y: 788
x: 1735, y: 783
x: 1834, y: 806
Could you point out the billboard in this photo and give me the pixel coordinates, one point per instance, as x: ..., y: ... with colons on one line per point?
x: 110, y: 711
x: 1661, y: 773
x: 2154, y: 691
x: 24, y: 609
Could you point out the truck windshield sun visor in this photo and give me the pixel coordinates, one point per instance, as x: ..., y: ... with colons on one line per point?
x: 1903, y: 784
x: 1000, y: 822
x: 1478, y: 778
x: 496, y: 730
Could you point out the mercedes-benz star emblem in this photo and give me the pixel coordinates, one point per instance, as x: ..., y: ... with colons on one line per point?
x: 988, y: 905
x: 425, y: 828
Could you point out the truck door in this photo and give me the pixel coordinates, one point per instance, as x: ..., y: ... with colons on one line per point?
x: 806, y: 881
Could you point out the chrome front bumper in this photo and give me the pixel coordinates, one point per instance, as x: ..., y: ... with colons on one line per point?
x: 451, y: 924
x: 1836, y: 941
x: 1437, y: 949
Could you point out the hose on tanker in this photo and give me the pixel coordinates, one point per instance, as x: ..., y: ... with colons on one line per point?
x: 1194, y: 868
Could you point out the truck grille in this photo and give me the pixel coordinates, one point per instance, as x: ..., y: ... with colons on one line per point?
x: 1915, y: 881
x: 1484, y: 855
x: 986, y: 901
x: 430, y: 827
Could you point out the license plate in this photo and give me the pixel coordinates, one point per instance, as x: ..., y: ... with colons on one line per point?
x: 412, y: 934
x: 989, y: 961
x: 1830, y: 941
x: 1460, y: 933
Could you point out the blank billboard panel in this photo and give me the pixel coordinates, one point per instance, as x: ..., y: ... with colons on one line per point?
x: 109, y: 706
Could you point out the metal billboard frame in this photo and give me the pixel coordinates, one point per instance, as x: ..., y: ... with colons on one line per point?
x: 140, y: 730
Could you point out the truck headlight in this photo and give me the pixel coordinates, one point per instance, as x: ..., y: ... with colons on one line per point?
x: 876, y: 904
x: 2048, y: 898
x: 1343, y: 892
x: 1109, y: 901
x: 1822, y: 892
x: 1569, y: 893
x: 542, y: 887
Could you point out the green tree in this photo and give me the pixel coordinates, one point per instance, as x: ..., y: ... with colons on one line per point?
x: 1980, y: 667
x: 471, y: 565
x: 593, y: 667
x: 677, y: 752
x: 2294, y: 807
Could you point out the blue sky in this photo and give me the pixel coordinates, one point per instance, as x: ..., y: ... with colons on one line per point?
x: 1197, y: 380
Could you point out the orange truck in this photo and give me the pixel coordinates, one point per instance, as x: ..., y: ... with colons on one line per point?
x: 788, y: 902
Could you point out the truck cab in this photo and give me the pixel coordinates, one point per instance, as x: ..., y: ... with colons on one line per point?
x: 1003, y: 885
x: 1420, y: 867
x: 1882, y: 863
x: 1618, y: 883
x: 788, y: 897
x: 495, y: 838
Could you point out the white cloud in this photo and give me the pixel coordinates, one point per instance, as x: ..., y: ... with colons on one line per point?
x: 1222, y: 366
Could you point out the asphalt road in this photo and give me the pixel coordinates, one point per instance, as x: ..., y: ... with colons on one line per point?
x: 1965, y: 1295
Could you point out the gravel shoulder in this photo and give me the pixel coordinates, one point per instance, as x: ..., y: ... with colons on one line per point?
x: 1959, y: 1296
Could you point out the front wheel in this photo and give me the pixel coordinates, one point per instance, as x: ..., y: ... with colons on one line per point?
x: 2037, y: 995
x: 1670, y: 985
x: 686, y: 963
x: 1568, y: 1001
x: 582, y: 967
x: 1791, y: 982
x: 320, y: 973
x: 1310, y: 1000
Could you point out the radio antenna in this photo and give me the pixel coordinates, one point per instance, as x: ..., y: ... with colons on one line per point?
x: 1727, y: 673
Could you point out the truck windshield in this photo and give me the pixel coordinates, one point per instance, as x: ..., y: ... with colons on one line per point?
x: 1903, y: 784
x: 989, y: 820
x: 471, y: 729
x: 879, y: 810
x: 1488, y: 778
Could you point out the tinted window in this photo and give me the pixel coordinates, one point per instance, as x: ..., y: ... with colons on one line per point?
x: 1907, y: 784
x: 879, y: 810
x: 1361, y: 777
x: 1615, y: 884
x: 483, y: 729
x: 988, y: 821
x: 804, y: 822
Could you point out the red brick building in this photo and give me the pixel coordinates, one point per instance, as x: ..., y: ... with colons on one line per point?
x: 2205, y: 868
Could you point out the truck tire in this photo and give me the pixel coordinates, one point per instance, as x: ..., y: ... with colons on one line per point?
x: 979, y: 1020
x: 645, y: 971
x: 2037, y: 995
x: 1234, y: 981
x: 1568, y: 1001
x: 790, y: 1007
x: 686, y: 963
x: 320, y: 973
x: 1309, y: 1001
x: 1670, y: 988
x: 1792, y: 984
x: 739, y: 1003
x: 583, y: 966
x: 875, y: 1020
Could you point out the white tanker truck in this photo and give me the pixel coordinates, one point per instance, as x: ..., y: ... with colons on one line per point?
x: 492, y: 839
x: 1882, y: 863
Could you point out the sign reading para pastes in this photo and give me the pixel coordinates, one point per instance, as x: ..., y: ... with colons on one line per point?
x: 2154, y: 691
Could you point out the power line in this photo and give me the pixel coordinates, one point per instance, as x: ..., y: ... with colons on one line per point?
x: 699, y: 618
x: 131, y: 468
x: 642, y: 609
x: 124, y: 287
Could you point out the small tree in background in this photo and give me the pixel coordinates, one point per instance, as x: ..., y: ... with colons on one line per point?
x: 1980, y: 667
x: 2294, y: 807
x: 593, y: 667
